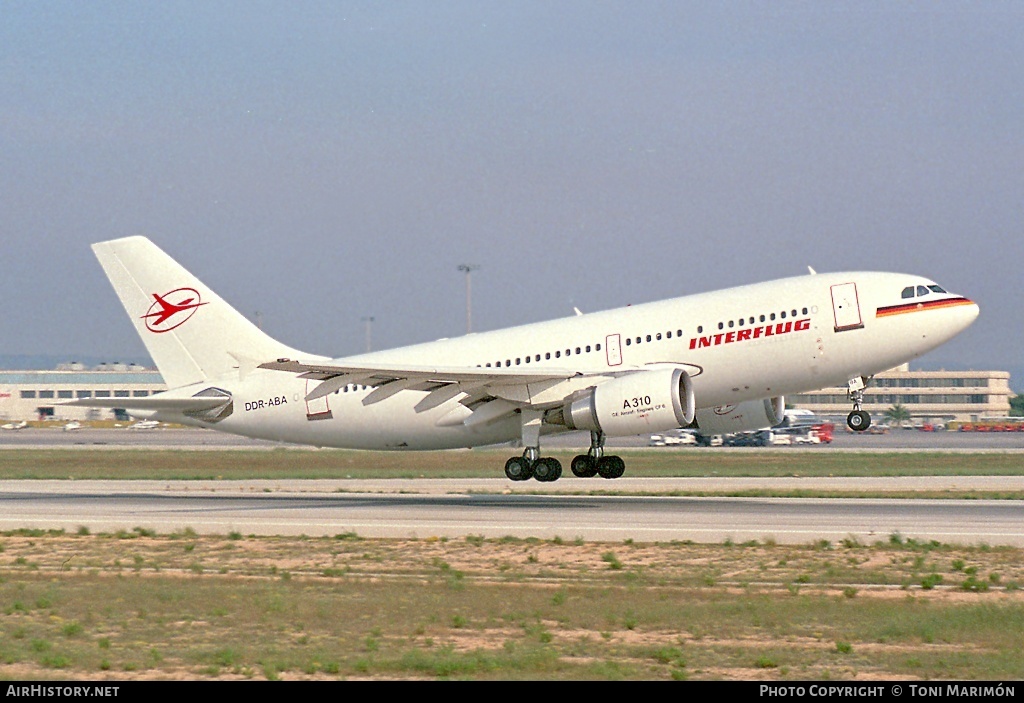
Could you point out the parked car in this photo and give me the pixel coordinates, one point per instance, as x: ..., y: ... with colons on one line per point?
x: 657, y: 440
x: 810, y: 437
x: 744, y: 439
x: 672, y: 438
x: 714, y: 440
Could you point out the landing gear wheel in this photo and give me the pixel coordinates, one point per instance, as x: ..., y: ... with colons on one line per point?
x: 858, y: 420
x: 547, y: 469
x: 611, y: 467
x: 583, y: 466
x: 518, y: 468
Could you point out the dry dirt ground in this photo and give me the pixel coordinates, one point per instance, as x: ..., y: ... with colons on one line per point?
x: 144, y: 606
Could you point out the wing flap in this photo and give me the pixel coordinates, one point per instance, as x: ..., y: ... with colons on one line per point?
x: 489, y: 412
x: 386, y: 390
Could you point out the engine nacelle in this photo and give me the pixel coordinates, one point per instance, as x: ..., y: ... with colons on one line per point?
x: 746, y: 416
x: 636, y: 403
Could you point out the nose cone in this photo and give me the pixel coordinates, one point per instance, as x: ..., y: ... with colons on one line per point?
x: 960, y: 314
x: 969, y: 311
x: 952, y: 317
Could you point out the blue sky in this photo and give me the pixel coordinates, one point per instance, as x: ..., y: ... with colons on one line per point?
x: 321, y: 162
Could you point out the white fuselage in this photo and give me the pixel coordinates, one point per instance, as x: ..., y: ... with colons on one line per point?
x: 758, y: 341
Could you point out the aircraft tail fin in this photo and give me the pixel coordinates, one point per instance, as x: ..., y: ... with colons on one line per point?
x: 191, y: 333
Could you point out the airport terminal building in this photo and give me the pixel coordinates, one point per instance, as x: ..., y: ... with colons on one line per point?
x: 929, y: 396
x: 37, y: 395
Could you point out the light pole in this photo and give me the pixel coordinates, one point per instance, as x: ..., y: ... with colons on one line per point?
x: 369, y: 324
x: 468, y: 269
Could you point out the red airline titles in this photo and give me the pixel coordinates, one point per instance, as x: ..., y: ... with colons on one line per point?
x: 750, y: 333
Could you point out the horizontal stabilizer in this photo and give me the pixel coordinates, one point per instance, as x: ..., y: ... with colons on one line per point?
x: 153, y: 402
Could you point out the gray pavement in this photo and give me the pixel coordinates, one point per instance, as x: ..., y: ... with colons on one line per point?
x: 899, y: 440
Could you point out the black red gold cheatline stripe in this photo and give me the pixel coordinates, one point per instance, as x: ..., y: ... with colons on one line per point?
x: 917, y: 307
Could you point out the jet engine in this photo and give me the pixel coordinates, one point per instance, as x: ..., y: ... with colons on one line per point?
x: 743, y: 417
x: 636, y: 403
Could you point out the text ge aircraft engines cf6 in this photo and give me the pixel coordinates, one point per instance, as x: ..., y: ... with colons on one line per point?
x: 719, y: 362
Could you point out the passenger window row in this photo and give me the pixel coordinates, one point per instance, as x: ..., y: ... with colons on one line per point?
x: 558, y: 354
x: 640, y: 339
x: 547, y: 356
x: 655, y: 338
x: 752, y: 320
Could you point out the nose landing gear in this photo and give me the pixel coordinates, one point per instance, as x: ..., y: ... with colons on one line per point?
x: 858, y: 420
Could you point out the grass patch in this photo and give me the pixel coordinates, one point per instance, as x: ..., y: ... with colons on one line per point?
x: 688, y: 611
x: 286, y: 463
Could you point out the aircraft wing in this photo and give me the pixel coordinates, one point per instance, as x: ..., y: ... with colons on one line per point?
x: 378, y: 373
x: 517, y: 387
x: 441, y: 383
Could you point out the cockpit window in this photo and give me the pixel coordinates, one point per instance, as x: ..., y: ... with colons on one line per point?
x: 937, y: 289
x: 921, y: 290
x: 908, y: 292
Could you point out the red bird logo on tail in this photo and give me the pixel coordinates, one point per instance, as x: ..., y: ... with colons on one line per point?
x: 171, y: 310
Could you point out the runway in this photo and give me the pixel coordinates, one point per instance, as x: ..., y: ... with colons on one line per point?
x: 496, y: 507
x: 368, y: 509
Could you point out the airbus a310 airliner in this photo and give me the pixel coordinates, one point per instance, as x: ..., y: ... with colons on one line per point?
x: 719, y: 362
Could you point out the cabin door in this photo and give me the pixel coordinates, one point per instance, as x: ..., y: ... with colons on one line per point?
x: 613, y: 348
x: 846, y: 307
x: 317, y: 409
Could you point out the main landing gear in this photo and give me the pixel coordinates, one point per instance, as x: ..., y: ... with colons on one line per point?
x: 858, y: 420
x: 595, y: 463
x: 532, y: 465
